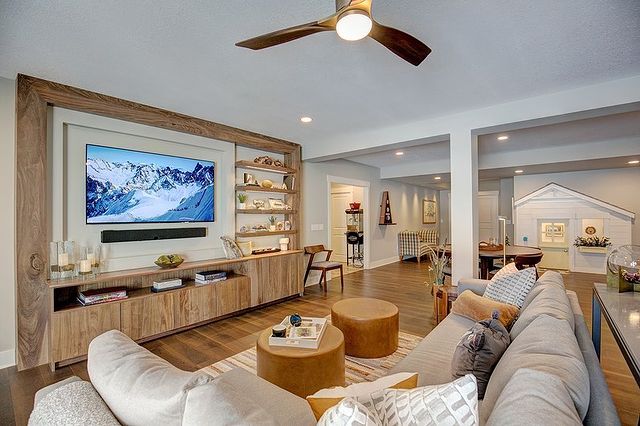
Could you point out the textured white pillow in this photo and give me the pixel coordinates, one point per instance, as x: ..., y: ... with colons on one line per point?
x: 454, y: 403
x: 511, y: 288
x: 349, y: 413
x: 507, y: 269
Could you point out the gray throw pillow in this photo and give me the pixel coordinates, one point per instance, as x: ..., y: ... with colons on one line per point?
x: 480, y: 350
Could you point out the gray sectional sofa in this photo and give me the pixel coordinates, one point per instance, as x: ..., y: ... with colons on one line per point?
x: 548, y: 375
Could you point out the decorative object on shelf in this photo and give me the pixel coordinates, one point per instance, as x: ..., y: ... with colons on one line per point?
x: 249, y: 180
x: 439, y: 261
x: 279, y: 331
x: 354, y: 206
x: 276, y: 204
x: 284, y: 186
x: 287, y: 225
x: 429, y: 212
x: 590, y: 230
x: 245, y: 228
x: 242, y: 201
x: 295, y: 320
x: 266, y: 183
x: 168, y: 261
x: 246, y: 247
x: 280, y: 226
x: 230, y: 247
x: 288, y: 182
x: 592, y: 242
x: 259, y: 227
x: 272, y: 223
x: 259, y: 204
x: 165, y: 285
x: 265, y: 250
x: 385, y: 210
x: 210, y: 277
x: 62, y: 260
x: 284, y: 244
x: 623, y: 268
x: 102, y: 295
x: 89, y: 261
x: 265, y: 159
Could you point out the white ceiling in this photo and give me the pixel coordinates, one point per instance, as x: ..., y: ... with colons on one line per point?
x: 181, y: 56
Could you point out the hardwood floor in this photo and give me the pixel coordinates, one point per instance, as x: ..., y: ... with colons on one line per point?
x: 399, y: 283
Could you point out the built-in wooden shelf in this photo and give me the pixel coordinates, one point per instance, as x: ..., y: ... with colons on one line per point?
x: 136, y: 293
x: 265, y: 233
x: 265, y: 211
x: 154, y: 270
x: 243, y: 188
x: 247, y: 164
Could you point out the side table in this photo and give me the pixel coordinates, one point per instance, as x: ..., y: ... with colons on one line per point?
x: 443, y: 297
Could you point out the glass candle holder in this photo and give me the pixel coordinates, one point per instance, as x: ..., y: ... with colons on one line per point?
x: 62, y: 259
x: 54, y: 268
x: 89, y: 261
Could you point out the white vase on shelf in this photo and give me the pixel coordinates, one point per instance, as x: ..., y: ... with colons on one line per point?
x: 242, y: 206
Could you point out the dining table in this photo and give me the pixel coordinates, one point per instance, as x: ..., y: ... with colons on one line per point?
x: 488, y: 256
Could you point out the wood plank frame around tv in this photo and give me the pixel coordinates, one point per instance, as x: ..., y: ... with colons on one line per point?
x: 33, y: 97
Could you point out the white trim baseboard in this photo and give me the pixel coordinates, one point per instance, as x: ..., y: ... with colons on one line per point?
x: 382, y: 262
x: 7, y: 358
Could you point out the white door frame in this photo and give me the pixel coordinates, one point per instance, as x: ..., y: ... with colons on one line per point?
x: 365, y: 206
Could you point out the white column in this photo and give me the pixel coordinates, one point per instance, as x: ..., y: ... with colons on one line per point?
x: 464, y: 209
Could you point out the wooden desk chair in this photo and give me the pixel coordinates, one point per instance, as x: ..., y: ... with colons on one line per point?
x: 322, y: 265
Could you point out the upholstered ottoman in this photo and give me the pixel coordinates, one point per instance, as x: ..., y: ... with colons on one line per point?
x: 303, y: 371
x: 370, y: 326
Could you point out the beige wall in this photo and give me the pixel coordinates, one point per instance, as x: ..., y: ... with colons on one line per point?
x: 615, y: 186
x: 7, y: 222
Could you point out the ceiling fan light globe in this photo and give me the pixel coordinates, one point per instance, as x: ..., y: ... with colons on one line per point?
x: 354, y: 25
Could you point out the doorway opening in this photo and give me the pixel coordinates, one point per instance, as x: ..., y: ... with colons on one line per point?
x: 553, y: 240
x: 348, y: 222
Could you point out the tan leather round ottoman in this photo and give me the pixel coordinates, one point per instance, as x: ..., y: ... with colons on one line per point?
x: 370, y: 326
x: 303, y: 371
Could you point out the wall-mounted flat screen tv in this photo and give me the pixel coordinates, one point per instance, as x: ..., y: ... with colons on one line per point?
x: 125, y: 186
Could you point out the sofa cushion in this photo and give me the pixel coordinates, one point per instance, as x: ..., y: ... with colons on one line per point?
x: 550, y: 300
x: 365, y: 393
x: 479, y: 351
x: 478, y: 308
x: 548, y: 345
x: 220, y: 403
x: 284, y: 407
x: 454, y: 403
x: 534, y: 397
x: 435, y: 350
x: 74, y: 403
x: 512, y: 287
x: 349, y: 412
x: 139, y: 387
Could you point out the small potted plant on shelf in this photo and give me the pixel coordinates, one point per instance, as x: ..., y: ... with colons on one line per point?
x: 272, y: 223
x: 242, y: 201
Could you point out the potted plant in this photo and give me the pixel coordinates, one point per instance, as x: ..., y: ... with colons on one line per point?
x: 439, y: 261
x: 242, y: 201
x: 592, y: 244
x: 272, y: 223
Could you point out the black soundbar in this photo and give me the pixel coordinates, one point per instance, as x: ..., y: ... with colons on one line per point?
x: 128, y: 235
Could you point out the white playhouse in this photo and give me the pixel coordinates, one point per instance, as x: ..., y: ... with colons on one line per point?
x: 553, y: 216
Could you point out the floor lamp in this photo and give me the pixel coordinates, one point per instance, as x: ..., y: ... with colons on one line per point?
x: 503, y: 219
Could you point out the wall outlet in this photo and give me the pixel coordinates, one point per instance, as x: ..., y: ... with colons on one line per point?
x: 317, y: 226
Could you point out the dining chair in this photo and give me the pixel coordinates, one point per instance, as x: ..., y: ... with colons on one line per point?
x: 324, y: 266
x: 528, y: 260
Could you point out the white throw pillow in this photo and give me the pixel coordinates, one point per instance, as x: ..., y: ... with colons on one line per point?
x: 349, y: 413
x: 454, y: 403
x: 509, y: 268
x: 511, y: 287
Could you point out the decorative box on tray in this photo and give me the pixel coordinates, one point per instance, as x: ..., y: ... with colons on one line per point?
x: 307, y: 335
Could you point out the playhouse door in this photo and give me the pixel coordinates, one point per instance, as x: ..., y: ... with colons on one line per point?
x: 553, y: 238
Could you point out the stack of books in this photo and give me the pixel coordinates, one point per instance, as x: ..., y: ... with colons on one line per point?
x: 165, y: 285
x: 210, y: 277
x: 102, y: 295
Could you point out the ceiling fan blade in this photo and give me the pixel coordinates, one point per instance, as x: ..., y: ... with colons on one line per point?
x: 402, y: 44
x: 289, y: 34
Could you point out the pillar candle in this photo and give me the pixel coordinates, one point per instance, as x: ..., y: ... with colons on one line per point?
x: 85, y: 266
x: 63, y: 259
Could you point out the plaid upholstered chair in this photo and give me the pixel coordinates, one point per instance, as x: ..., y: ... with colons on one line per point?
x: 416, y: 243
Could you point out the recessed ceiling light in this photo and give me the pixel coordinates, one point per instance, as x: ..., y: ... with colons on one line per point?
x: 400, y: 153
x: 306, y: 119
x: 437, y: 178
x: 503, y: 138
x: 633, y: 162
x: 518, y: 171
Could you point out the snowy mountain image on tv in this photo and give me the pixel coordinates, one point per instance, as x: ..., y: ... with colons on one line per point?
x: 125, y: 186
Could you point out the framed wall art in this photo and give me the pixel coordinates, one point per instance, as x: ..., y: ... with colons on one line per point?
x: 429, y: 212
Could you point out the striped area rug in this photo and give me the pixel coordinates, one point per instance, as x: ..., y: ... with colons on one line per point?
x: 357, y: 369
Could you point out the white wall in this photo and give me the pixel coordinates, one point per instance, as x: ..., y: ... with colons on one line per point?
x: 406, y: 206
x: 7, y: 222
x: 615, y: 186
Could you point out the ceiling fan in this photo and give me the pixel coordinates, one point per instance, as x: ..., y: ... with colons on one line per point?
x: 352, y: 21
